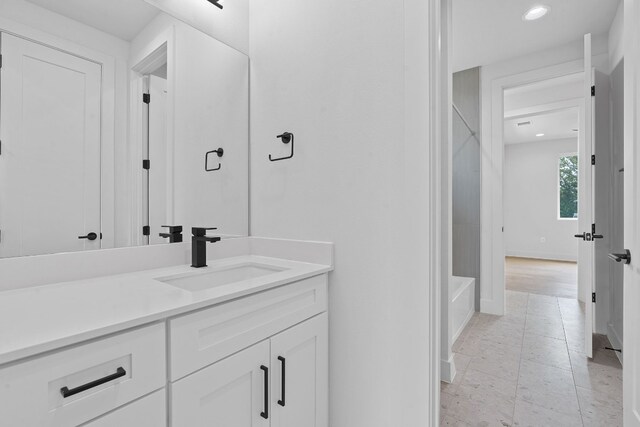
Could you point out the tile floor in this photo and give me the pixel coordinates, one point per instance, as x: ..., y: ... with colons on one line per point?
x: 527, y: 368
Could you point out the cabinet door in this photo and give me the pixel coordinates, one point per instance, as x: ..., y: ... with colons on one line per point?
x: 230, y: 393
x: 299, y: 361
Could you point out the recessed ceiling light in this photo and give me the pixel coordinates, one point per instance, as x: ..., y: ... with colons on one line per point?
x: 536, y: 12
x: 539, y: 134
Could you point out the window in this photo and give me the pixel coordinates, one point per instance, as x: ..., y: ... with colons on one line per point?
x: 568, y: 183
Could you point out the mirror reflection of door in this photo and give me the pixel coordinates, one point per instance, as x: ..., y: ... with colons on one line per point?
x: 159, y: 203
x: 50, y: 133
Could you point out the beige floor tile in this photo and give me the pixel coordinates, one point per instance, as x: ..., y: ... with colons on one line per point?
x: 480, y: 409
x: 449, y: 421
x: 534, y: 375
x: 481, y: 382
x: 599, y: 409
x: 545, y: 350
x: 601, y: 377
x: 548, y: 327
x: 529, y: 415
x: 499, y: 365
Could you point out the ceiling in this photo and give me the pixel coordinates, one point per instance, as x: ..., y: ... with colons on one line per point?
x: 121, y: 18
x: 489, y: 31
x: 553, y: 124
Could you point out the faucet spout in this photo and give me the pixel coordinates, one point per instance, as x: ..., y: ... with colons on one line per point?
x: 199, y: 246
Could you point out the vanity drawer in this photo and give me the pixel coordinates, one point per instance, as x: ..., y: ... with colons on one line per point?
x: 150, y: 411
x: 204, y: 337
x: 96, y: 377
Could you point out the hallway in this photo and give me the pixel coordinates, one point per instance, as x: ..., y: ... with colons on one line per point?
x: 527, y: 368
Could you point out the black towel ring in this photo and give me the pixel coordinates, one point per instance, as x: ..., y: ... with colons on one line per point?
x: 219, y: 152
x: 286, y: 137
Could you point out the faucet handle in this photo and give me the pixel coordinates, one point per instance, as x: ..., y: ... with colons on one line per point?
x: 173, y: 229
x: 201, y: 231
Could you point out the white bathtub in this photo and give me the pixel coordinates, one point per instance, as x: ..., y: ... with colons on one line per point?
x: 463, y: 303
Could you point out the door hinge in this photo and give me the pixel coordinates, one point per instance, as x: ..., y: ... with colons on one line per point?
x: 593, y: 229
x: 146, y: 164
x: 146, y: 98
x: 0, y: 61
x: 593, y: 159
x: 593, y: 297
x: 593, y: 91
x: 146, y: 230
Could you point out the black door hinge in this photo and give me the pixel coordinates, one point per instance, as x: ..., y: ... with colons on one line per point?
x: 146, y: 98
x: 593, y: 91
x: 593, y: 297
x: 593, y: 229
x: 0, y: 61
x: 146, y: 164
x: 146, y: 230
x: 593, y: 159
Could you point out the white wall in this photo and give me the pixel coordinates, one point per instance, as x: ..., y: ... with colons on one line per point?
x: 229, y: 25
x: 531, y: 202
x: 350, y: 80
x: 615, y: 38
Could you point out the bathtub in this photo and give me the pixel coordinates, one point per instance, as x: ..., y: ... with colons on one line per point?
x: 463, y: 303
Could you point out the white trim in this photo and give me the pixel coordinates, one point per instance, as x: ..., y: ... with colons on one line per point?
x: 448, y: 370
x: 492, y: 248
x: 107, y: 113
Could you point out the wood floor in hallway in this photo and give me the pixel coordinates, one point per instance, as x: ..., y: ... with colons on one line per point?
x: 545, y: 277
x: 528, y: 368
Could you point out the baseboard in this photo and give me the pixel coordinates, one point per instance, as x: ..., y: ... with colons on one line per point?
x: 464, y: 325
x: 447, y: 370
x: 490, y: 306
x: 544, y: 256
x: 615, y: 341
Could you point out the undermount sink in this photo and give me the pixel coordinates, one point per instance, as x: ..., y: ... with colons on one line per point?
x: 204, y: 280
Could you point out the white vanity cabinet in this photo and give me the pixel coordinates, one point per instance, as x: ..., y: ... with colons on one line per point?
x: 73, y: 386
x: 257, y: 360
x: 280, y: 379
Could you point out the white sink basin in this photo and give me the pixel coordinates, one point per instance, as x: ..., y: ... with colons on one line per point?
x: 204, y: 280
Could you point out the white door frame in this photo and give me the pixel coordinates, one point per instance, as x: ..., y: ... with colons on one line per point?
x: 631, y: 386
x: 492, y: 250
x: 107, y: 111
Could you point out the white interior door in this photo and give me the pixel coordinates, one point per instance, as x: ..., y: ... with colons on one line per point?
x: 50, y: 160
x: 159, y: 202
x: 631, y: 315
x: 585, y: 203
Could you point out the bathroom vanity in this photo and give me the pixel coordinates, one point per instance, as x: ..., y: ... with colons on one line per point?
x: 242, y: 342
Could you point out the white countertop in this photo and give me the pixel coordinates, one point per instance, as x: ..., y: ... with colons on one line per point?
x: 43, y: 318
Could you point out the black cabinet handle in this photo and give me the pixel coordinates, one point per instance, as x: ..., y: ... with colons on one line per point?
x: 283, y: 380
x: 90, y: 236
x: 120, y: 372
x: 265, y: 413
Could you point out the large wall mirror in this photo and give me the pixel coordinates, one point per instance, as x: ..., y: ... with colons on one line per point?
x: 116, y: 119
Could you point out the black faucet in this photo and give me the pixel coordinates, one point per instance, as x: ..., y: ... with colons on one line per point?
x: 199, y: 246
x: 174, y: 235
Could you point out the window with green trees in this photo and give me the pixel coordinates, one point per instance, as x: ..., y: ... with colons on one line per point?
x: 568, y: 193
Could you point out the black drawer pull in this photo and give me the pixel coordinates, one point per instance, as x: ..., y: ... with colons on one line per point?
x: 120, y: 372
x: 282, y: 360
x: 265, y: 414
